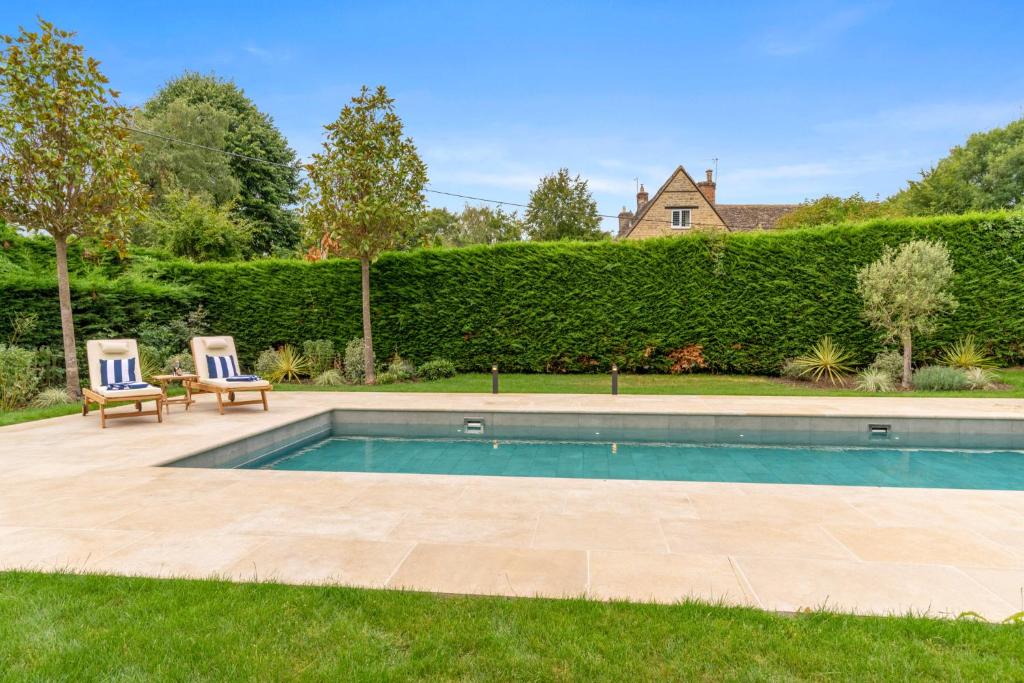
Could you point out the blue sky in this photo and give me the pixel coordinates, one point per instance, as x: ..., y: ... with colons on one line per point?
x: 794, y: 99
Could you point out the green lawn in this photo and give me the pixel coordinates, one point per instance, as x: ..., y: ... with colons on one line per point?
x: 11, y: 417
x: 728, y: 385
x: 74, y: 628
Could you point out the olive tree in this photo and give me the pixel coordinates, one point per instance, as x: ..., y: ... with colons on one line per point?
x: 365, y: 191
x: 904, y: 292
x: 65, y: 155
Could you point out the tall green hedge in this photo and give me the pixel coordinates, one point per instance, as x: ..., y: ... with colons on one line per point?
x: 751, y: 299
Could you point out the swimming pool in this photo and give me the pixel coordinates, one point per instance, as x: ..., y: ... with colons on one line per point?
x: 660, y: 462
x: 851, y: 451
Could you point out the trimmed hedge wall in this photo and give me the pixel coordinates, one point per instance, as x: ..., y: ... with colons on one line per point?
x: 751, y: 299
x: 102, y: 308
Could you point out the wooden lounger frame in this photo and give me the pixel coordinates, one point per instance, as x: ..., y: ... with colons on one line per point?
x: 199, y: 387
x: 90, y: 396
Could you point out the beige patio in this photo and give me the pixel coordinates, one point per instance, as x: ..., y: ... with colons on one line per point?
x: 78, y: 498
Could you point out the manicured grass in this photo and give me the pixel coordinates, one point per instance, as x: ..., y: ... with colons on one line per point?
x: 72, y: 627
x: 730, y: 385
x: 28, y: 414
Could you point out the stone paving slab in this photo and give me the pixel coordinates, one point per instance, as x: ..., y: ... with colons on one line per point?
x: 75, y: 497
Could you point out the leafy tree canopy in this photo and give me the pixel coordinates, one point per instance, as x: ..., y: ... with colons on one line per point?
x: 365, y: 187
x: 484, y: 225
x: 265, y: 190
x: 562, y: 208
x: 985, y: 173
x: 832, y: 210
x: 65, y: 153
x: 365, y: 190
x: 431, y: 228
x: 168, y: 167
x: 473, y: 225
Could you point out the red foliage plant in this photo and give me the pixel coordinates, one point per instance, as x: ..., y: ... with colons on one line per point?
x: 687, y: 358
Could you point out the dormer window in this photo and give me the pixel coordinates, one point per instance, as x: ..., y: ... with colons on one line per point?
x: 680, y: 219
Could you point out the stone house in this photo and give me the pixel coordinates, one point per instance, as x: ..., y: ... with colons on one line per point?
x: 682, y: 205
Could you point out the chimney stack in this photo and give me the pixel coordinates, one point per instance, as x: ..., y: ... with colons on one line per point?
x: 641, y: 198
x: 625, y: 218
x: 707, y: 187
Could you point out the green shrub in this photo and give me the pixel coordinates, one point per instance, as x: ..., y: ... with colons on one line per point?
x: 889, y: 363
x: 979, y: 378
x: 19, y: 376
x: 825, y: 359
x: 50, y: 363
x: 53, y: 396
x: 173, y: 336
x: 398, y: 370
x: 792, y: 370
x: 320, y: 354
x: 22, y: 325
x: 183, y: 360
x: 192, y: 227
x: 939, y: 378
x: 267, y: 363
x: 329, y: 378
x: 875, y: 379
x: 355, y: 361
x: 965, y: 353
x: 436, y: 369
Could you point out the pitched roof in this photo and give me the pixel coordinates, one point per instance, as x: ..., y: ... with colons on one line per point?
x: 643, y: 209
x: 753, y: 216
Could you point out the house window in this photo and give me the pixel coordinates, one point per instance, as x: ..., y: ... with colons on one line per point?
x: 680, y: 218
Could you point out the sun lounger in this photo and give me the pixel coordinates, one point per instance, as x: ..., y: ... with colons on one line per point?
x: 115, y: 376
x: 218, y: 370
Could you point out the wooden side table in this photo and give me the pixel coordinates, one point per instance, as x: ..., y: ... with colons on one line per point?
x: 186, y: 380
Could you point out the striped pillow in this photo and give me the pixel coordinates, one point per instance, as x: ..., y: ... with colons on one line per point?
x: 221, y: 367
x: 117, y: 370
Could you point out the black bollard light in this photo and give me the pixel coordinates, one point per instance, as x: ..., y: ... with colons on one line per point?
x: 615, y: 380
x: 494, y: 379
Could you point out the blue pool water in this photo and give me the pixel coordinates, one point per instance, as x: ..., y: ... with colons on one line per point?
x: 961, y: 469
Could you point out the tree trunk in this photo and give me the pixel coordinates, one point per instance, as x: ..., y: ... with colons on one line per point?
x: 364, y: 266
x: 67, y: 323
x: 907, y: 350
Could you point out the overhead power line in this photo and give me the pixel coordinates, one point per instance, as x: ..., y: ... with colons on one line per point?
x: 298, y: 167
x: 210, y: 149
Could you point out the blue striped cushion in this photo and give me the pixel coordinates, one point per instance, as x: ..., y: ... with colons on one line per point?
x: 221, y: 367
x: 117, y: 370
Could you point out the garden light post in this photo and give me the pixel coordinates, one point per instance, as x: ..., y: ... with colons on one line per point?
x: 615, y: 380
x: 494, y: 379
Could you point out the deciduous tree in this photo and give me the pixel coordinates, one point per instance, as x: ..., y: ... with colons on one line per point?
x: 905, y: 290
x: 168, y: 167
x: 562, y: 208
x: 365, y: 190
x: 65, y: 153
x: 985, y: 173
x: 833, y: 210
x: 266, y: 190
